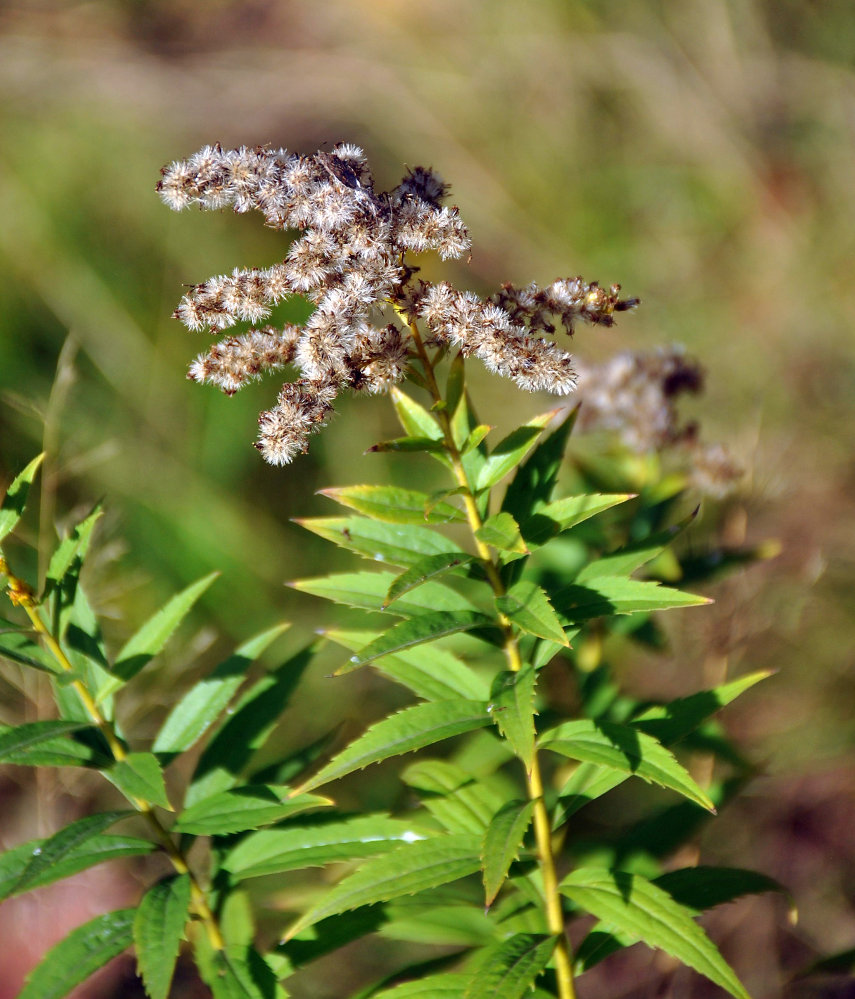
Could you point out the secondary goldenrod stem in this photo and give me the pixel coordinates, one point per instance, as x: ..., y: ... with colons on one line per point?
x: 542, y: 827
x: 22, y: 595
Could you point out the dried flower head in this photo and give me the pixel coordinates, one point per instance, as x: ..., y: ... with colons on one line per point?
x: 350, y: 261
x: 634, y: 395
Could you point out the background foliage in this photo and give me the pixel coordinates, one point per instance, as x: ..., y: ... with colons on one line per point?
x: 701, y: 151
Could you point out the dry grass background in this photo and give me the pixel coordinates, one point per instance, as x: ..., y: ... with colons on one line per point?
x: 699, y: 151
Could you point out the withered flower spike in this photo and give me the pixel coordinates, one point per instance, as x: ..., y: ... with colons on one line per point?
x: 349, y: 260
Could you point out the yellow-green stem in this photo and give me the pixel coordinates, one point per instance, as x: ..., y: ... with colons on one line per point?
x: 20, y: 593
x: 534, y: 781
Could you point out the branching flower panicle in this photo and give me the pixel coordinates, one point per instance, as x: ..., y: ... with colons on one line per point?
x: 349, y: 261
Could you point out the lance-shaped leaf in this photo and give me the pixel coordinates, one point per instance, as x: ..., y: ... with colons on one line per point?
x: 632, y: 557
x: 295, y: 847
x: 370, y: 591
x: 58, y: 847
x: 15, y: 499
x: 201, y: 705
x: 406, y: 870
x: 143, y: 646
x: 509, y: 452
x: 696, y: 888
x: 413, y: 728
x: 416, y: 631
x: 512, y: 709
x: 139, y: 776
x: 534, y: 481
x: 81, y: 953
x: 80, y: 632
x: 158, y: 928
x: 18, y: 741
x: 528, y: 607
x: 246, y: 729
x: 474, y: 438
x: 42, y: 747
x: 510, y: 968
x: 432, y: 673
x: 396, y: 544
x: 395, y: 505
x: 18, y: 646
x: 70, y: 549
x: 590, y: 781
x: 501, y: 845
x: 450, y: 985
x: 460, y: 802
x: 424, y: 570
x: 609, y: 595
x: 414, y: 418
x: 502, y: 532
x: 237, y: 972
x: 624, y: 748
x: 552, y: 518
x: 410, y: 445
x: 647, y: 912
x: 95, y: 850
x: 242, y: 808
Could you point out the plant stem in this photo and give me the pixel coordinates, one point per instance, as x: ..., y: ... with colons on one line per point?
x: 534, y: 781
x: 22, y: 595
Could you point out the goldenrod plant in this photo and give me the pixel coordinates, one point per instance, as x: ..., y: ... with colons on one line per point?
x: 500, y: 601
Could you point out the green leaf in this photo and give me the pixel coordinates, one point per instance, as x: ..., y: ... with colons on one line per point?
x: 624, y: 748
x: 453, y: 796
x: 95, y: 850
x: 243, y: 808
x: 413, y: 728
x: 394, y: 505
x: 590, y: 781
x: 511, y: 967
x: 416, y: 631
x: 84, y: 645
x: 295, y: 847
x: 140, y: 778
x: 432, y: 673
x: 502, y: 532
x: 451, y: 985
x: 609, y: 595
x: 406, y: 870
x: 533, y: 483
x: 238, y: 972
x: 370, y: 591
x: 17, y: 742
x: 509, y: 452
x: 560, y: 515
x: 410, y: 445
x: 647, y: 912
x: 396, y: 544
x: 81, y: 953
x: 201, y: 705
x: 701, y: 888
x: 502, y: 842
x: 57, y: 848
x: 246, y: 729
x: 158, y: 929
x: 150, y: 639
x: 15, y: 499
x: 632, y: 557
x: 425, y: 569
x: 512, y: 709
x: 674, y: 721
x: 474, y: 438
x: 71, y: 548
x: 528, y: 607
x: 17, y: 645
x: 52, y: 749
x: 414, y: 418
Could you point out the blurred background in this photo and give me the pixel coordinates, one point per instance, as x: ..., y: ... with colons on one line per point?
x: 700, y: 152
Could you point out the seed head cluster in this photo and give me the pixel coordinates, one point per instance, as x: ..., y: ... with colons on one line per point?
x: 634, y: 395
x: 350, y: 260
